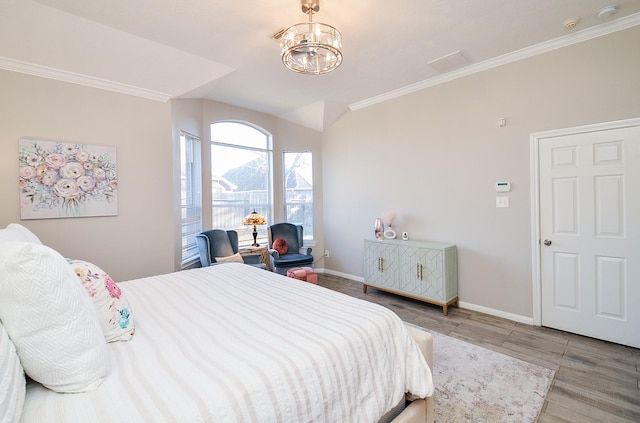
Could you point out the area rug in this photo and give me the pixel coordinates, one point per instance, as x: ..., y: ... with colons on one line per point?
x: 474, y: 384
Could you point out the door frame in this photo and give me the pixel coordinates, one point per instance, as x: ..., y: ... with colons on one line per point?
x: 534, y: 168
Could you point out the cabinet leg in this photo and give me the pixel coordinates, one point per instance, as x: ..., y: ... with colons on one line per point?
x: 445, y: 307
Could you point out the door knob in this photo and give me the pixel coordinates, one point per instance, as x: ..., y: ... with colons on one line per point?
x: 547, y: 242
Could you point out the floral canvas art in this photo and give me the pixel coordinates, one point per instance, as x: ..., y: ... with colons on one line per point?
x: 60, y: 179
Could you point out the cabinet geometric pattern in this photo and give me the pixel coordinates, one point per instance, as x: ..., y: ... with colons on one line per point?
x: 422, y: 270
x: 381, y: 265
x: 427, y: 271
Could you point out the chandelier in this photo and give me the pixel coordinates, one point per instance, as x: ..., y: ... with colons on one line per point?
x: 311, y: 48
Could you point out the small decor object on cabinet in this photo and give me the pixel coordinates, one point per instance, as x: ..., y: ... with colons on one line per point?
x: 405, y: 236
x: 389, y: 218
x: 390, y: 233
x: 379, y: 229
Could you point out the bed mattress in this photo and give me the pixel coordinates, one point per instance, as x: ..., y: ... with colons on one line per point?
x: 233, y: 343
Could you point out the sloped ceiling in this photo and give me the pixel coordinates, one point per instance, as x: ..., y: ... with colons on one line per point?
x: 223, y: 51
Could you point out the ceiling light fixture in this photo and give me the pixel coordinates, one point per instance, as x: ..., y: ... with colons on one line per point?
x: 311, y: 48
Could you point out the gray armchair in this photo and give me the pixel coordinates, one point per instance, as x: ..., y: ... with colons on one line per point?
x: 220, y: 243
x: 297, y: 255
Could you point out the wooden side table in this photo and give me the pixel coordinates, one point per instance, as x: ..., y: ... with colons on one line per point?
x: 263, y: 251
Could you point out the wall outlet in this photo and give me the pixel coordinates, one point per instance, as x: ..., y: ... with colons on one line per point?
x: 326, y: 253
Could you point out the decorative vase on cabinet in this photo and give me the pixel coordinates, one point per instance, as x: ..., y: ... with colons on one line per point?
x: 426, y: 271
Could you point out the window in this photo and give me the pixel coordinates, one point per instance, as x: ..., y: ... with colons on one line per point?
x: 241, y: 180
x: 298, y: 190
x: 190, y: 197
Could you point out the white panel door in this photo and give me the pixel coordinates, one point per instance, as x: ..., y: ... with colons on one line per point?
x: 590, y: 234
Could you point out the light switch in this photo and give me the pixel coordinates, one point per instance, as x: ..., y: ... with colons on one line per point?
x: 502, y: 201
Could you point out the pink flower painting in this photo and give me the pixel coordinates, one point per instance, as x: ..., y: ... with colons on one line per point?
x: 67, y: 180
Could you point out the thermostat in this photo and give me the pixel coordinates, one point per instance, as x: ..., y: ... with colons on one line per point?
x: 503, y: 186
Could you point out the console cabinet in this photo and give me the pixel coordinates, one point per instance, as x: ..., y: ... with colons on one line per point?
x: 426, y: 271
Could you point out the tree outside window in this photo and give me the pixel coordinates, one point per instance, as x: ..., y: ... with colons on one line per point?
x: 240, y: 178
x: 298, y: 190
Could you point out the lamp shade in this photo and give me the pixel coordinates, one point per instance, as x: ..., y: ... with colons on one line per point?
x: 254, y: 219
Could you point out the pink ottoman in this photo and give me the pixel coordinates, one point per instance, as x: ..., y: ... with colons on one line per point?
x: 304, y: 274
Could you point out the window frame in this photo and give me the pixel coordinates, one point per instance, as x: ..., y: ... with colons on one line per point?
x: 308, y: 232
x: 266, y: 210
x: 192, y: 200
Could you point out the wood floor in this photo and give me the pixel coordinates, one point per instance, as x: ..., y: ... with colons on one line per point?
x: 595, y: 381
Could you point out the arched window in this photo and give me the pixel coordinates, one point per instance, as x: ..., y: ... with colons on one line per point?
x: 241, y: 178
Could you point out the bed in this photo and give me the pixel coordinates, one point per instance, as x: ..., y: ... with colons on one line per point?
x: 233, y: 343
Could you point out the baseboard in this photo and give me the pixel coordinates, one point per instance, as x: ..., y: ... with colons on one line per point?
x: 343, y: 275
x: 469, y: 306
x: 498, y: 313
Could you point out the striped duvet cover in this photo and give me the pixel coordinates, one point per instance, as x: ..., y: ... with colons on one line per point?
x: 233, y: 343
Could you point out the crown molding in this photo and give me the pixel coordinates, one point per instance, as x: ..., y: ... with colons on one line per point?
x: 79, y: 79
x: 547, y: 46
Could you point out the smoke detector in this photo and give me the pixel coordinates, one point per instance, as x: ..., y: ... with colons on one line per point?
x: 607, y: 11
x: 571, y: 23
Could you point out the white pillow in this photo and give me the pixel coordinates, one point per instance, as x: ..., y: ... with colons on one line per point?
x: 236, y: 258
x: 113, y: 309
x: 50, y: 319
x: 12, y: 381
x: 16, y: 232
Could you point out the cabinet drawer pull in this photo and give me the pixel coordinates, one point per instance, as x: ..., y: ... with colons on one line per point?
x: 421, y: 267
x: 418, y: 270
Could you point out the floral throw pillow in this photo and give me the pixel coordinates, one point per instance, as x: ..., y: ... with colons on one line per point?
x: 113, y: 309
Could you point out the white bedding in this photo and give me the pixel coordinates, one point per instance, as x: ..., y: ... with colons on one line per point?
x: 233, y: 343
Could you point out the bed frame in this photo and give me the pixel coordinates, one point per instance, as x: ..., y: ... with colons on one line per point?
x: 420, y: 410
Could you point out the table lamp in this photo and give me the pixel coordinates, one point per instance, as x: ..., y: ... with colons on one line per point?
x: 254, y: 219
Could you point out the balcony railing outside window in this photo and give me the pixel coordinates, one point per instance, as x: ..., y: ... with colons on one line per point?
x: 241, y: 178
x: 298, y: 190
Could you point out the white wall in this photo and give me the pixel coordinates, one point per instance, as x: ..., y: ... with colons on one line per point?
x: 139, y: 241
x: 433, y: 157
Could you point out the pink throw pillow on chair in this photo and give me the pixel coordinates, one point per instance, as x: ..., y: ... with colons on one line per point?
x: 281, y: 246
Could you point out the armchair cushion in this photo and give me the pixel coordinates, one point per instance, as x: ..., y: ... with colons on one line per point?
x: 289, y: 260
x: 234, y: 258
x: 252, y: 259
x: 281, y: 246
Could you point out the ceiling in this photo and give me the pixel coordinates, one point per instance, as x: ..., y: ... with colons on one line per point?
x: 223, y: 50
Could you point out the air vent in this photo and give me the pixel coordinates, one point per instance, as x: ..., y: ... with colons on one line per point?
x: 449, y: 62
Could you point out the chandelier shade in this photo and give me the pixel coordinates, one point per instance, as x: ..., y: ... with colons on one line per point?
x: 311, y: 48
